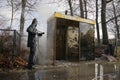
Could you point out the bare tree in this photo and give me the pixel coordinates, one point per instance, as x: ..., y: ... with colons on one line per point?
x: 103, y: 21
x: 11, y: 4
x: 2, y: 21
x: 22, y: 19
x: 70, y: 6
x: 81, y: 8
x: 116, y: 21
x: 103, y: 24
x: 112, y: 18
x: 97, y: 24
x: 11, y: 14
x: 85, y: 8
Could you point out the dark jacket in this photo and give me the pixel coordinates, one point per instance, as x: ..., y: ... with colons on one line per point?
x: 32, y: 31
x: 109, y: 50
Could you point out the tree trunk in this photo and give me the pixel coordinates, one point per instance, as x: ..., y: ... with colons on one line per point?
x: 12, y: 14
x: 97, y: 25
x: 22, y: 19
x: 116, y: 21
x: 81, y: 8
x: 103, y: 22
x: 85, y: 7
x: 71, y: 9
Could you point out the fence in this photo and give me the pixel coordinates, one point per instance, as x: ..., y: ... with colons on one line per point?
x: 9, y: 42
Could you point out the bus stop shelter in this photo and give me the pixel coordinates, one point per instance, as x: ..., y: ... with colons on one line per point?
x: 70, y: 38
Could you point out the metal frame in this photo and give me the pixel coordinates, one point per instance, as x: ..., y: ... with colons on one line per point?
x: 16, y: 41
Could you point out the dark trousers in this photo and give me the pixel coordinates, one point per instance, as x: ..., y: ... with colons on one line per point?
x: 31, y: 56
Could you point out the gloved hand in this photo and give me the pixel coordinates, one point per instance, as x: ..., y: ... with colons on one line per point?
x: 40, y: 34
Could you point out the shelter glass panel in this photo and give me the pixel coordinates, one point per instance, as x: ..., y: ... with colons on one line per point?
x: 87, y: 41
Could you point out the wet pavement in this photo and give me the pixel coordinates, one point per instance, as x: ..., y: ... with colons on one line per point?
x: 68, y: 71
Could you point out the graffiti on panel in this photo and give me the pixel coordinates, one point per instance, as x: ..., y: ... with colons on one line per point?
x: 72, y: 42
x: 72, y: 37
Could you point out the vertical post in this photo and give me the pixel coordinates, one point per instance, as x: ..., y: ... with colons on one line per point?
x: 115, y: 51
x: 96, y: 71
x: 51, y: 41
x: 101, y: 72
x: 66, y: 52
x: 14, y: 43
x: 79, y: 38
x: 14, y: 46
x: 19, y: 38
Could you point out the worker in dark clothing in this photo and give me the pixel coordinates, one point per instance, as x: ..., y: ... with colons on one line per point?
x: 108, y: 53
x: 109, y: 50
x: 32, y: 32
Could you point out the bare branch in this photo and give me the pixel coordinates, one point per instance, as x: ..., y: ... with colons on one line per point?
x: 30, y: 5
x: 107, y: 1
x: 112, y: 18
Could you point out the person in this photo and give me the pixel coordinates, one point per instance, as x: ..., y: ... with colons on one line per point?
x: 31, y: 43
x: 108, y: 52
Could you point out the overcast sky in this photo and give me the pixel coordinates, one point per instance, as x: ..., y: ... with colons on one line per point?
x: 43, y: 11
